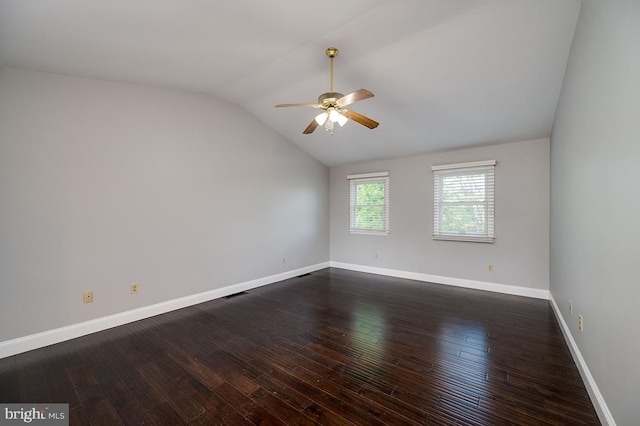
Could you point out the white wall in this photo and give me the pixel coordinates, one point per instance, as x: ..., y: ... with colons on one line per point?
x: 595, y: 203
x: 103, y: 184
x: 520, y: 254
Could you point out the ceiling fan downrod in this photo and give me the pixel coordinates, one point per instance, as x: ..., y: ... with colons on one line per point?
x: 331, y: 52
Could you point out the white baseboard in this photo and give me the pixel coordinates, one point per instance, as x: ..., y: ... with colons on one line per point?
x: 598, y: 401
x: 50, y: 337
x: 458, y: 282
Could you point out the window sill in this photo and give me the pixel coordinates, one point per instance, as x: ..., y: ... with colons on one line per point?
x: 368, y: 232
x: 466, y: 238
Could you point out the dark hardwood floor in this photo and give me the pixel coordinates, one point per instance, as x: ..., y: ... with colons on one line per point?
x: 332, y: 348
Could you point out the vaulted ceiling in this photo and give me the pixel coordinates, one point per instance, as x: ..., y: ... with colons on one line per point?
x: 447, y: 74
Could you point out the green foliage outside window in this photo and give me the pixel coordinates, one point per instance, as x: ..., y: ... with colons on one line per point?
x: 370, y: 206
x: 464, y: 204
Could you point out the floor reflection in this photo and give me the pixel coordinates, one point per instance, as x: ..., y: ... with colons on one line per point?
x: 365, y: 339
x: 462, y: 367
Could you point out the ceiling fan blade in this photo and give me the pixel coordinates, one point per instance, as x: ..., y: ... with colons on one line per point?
x: 310, y: 128
x: 359, y: 118
x: 298, y: 105
x: 358, y: 95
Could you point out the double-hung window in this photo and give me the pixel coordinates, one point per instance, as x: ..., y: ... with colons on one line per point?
x: 463, y: 201
x: 369, y: 203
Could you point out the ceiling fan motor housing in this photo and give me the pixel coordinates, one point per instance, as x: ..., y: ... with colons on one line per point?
x: 329, y: 99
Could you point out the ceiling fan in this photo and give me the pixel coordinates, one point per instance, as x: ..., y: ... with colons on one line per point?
x: 333, y: 105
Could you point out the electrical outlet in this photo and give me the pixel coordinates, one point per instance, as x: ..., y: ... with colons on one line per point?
x: 87, y: 297
x: 134, y: 288
x: 570, y: 308
x: 375, y: 255
x: 490, y: 267
x: 284, y: 260
x: 580, y: 323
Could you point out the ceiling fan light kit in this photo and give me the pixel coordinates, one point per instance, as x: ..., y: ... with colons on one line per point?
x: 333, y: 116
x: 333, y: 103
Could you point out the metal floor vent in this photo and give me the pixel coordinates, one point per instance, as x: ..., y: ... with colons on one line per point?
x: 304, y: 275
x: 234, y: 295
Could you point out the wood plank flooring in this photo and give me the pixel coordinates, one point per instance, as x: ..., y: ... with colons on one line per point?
x: 332, y: 348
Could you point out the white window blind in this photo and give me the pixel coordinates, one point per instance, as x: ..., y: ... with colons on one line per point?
x: 369, y: 203
x: 464, y: 201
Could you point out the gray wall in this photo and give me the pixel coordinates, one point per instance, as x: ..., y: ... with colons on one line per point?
x: 595, y: 202
x: 104, y: 184
x: 520, y: 254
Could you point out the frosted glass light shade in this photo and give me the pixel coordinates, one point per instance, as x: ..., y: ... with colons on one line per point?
x: 342, y: 120
x: 333, y: 115
x: 336, y: 117
x: 321, y: 118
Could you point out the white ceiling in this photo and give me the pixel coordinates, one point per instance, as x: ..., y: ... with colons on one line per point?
x: 446, y: 74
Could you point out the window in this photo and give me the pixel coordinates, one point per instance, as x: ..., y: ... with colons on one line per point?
x: 463, y: 201
x: 369, y: 203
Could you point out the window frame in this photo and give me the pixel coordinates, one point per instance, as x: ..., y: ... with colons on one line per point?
x: 365, y: 178
x: 460, y: 169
